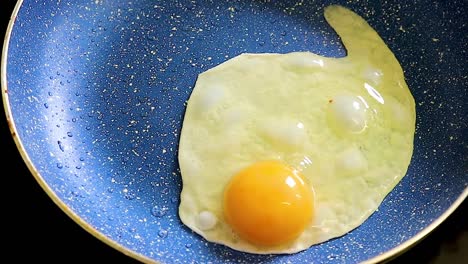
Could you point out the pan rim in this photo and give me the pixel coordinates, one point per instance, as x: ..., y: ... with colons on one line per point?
x: 383, y: 257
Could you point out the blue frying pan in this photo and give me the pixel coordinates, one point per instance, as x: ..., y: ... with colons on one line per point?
x: 94, y: 94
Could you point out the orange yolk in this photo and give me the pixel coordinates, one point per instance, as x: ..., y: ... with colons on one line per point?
x: 268, y: 203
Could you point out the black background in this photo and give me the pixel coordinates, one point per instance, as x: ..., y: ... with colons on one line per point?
x: 37, y: 229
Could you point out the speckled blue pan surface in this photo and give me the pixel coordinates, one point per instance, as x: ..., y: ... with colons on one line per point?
x: 95, y: 93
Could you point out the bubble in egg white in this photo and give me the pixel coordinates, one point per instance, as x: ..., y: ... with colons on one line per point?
x: 206, y: 220
x: 351, y: 161
x: 288, y: 134
x: 348, y: 114
x: 298, y: 61
x: 211, y: 98
x: 373, y: 76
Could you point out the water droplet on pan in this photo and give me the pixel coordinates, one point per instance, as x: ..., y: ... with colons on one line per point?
x: 163, y: 233
x: 159, y: 211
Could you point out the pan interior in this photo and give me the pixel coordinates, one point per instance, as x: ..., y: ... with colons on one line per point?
x: 97, y: 92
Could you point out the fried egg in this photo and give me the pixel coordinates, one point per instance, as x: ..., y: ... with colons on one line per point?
x: 279, y: 152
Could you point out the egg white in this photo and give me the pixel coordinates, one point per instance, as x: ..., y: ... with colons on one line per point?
x: 346, y: 123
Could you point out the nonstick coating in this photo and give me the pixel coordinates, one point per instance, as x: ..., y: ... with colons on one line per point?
x: 95, y: 92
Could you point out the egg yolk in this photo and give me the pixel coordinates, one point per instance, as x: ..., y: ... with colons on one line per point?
x: 268, y: 203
